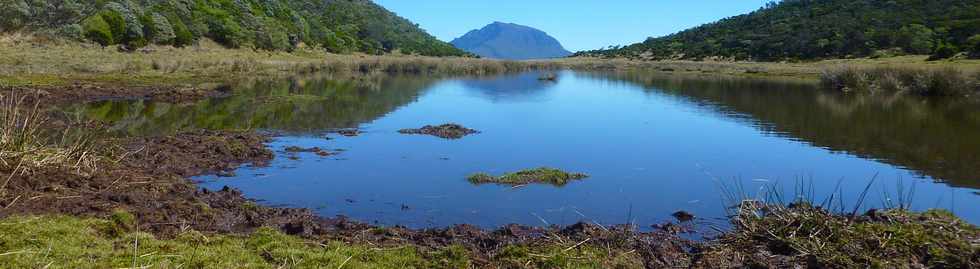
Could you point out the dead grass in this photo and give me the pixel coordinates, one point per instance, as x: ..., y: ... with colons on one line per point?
x: 25, y: 144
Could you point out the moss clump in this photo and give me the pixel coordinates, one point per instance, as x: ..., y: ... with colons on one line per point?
x: 69, y: 242
x: 878, y: 239
x: 543, y: 175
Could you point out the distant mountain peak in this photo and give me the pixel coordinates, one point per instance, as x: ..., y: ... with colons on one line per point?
x: 502, y: 40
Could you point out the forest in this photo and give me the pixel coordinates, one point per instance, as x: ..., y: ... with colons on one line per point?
x: 339, y: 26
x: 822, y: 29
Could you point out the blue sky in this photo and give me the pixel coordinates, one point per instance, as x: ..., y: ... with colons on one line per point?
x: 578, y: 24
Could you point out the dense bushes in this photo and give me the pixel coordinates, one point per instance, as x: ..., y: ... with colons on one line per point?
x: 815, y: 29
x: 338, y: 26
x: 97, y: 30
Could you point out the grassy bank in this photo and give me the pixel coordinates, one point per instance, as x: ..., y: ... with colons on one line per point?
x: 26, y: 60
x: 30, y: 60
x: 787, y: 237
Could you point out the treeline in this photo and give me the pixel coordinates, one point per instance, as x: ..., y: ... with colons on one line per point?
x: 340, y: 26
x: 815, y: 29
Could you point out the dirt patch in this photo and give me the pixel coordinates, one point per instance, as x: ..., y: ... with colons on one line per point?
x: 88, y: 92
x: 447, y: 131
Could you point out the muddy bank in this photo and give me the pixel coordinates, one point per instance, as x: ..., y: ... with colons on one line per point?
x: 90, y: 92
x: 148, y: 177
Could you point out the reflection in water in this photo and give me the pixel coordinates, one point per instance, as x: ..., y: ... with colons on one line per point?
x: 508, y: 88
x: 653, y: 144
x: 939, y: 138
x: 292, y: 105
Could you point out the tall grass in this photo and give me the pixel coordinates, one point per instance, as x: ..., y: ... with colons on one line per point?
x: 830, y: 234
x: 26, y: 145
x: 919, y: 81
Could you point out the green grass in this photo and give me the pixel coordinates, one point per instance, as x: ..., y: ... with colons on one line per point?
x: 116, y: 242
x: 543, y: 175
x: 886, y: 239
x: 69, y: 242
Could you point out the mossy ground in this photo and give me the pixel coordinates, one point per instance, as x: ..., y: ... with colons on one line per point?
x: 543, y: 175
x: 116, y: 242
x: 67, y: 242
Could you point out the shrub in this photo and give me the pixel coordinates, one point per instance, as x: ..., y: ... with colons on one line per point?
x: 226, y: 32
x: 116, y: 23
x: 943, y: 51
x: 163, y: 30
x: 182, y: 35
x: 973, y: 46
x: 98, y: 30
x: 72, y: 31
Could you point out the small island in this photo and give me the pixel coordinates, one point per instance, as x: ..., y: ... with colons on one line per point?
x: 542, y: 175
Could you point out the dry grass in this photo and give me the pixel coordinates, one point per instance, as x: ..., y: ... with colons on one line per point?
x: 25, y: 60
x: 947, y: 81
x: 26, y: 145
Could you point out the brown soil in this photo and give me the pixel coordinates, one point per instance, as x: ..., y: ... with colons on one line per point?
x: 89, y: 92
x: 447, y: 131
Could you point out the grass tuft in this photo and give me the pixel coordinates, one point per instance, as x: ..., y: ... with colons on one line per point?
x: 543, y: 175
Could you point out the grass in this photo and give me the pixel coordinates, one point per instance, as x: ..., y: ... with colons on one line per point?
x: 68, y: 242
x: 543, y: 175
x: 828, y: 234
x: 25, y: 143
x: 27, y: 60
x: 116, y: 242
x: 947, y: 81
x: 882, y: 239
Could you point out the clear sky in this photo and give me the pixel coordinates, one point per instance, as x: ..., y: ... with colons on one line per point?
x: 578, y: 24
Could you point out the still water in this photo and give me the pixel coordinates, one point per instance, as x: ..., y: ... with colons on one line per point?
x: 652, y: 143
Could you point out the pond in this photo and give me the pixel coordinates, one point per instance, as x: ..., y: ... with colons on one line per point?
x: 652, y: 144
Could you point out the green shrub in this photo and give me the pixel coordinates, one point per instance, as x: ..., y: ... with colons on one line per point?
x: 72, y: 31
x: 116, y: 23
x: 98, y: 30
x: 973, y: 46
x: 182, y: 35
x: 227, y: 32
x: 943, y: 51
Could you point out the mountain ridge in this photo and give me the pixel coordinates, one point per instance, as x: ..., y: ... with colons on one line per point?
x: 510, y: 41
x: 821, y: 29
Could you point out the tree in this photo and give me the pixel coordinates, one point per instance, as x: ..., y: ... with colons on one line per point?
x: 916, y: 39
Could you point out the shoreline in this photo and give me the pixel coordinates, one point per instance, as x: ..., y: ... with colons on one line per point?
x: 155, y: 193
x: 72, y: 71
x: 142, y: 184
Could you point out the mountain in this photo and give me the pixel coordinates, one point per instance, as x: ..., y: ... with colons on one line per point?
x: 510, y: 41
x: 336, y: 25
x: 816, y: 29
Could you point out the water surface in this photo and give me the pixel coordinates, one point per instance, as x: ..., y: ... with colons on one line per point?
x: 652, y: 143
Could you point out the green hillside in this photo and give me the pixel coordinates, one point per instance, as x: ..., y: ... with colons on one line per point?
x: 815, y: 29
x: 340, y: 26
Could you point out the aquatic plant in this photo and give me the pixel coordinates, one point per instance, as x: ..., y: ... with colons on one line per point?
x: 543, y: 175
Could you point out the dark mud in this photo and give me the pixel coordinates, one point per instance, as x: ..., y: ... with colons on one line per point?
x: 447, y: 131
x: 89, y: 92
